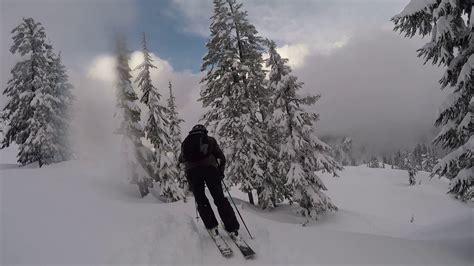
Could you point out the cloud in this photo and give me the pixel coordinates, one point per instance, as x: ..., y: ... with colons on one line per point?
x: 376, y: 90
x: 296, y: 53
x: 71, y: 24
x: 95, y: 106
x: 373, y: 87
x: 102, y: 69
x: 79, y: 29
x: 196, y: 15
x: 321, y: 25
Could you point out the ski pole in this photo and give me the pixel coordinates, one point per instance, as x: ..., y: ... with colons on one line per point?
x: 235, y: 206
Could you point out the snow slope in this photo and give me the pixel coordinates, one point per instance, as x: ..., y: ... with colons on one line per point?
x: 83, y: 212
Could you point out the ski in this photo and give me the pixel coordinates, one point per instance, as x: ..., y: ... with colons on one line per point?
x: 223, y: 247
x: 244, y: 248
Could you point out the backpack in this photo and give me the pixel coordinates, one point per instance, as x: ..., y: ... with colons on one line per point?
x: 196, y: 146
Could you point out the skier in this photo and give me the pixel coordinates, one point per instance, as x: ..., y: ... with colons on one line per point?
x: 204, y: 164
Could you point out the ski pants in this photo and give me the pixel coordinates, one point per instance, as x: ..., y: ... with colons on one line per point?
x: 200, y: 176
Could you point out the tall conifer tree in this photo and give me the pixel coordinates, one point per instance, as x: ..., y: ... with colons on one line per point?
x: 451, y: 26
x: 37, y: 115
x: 235, y: 94
x: 301, y: 152
x: 157, y: 131
x: 129, y: 117
x: 63, y: 108
x: 175, y: 133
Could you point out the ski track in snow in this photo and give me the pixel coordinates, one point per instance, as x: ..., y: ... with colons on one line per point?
x: 79, y: 212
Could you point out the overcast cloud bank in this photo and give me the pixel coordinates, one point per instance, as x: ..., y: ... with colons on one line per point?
x: 373, y: 87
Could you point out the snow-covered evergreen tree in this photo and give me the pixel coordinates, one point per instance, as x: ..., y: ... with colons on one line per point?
x: 278, y: 71
x: 175, y: 134
x: 235, y: 95
x: 433, y: 160
x: 451, y: 26
x: 342, y: 149
x: 385, y: 161
x: 127, y: 98
x: 417, y: 156
x: 301, y: 152
x: 29, y: 41
x: 37, y: 116
x: 63, y: 108
x: 428, y: 159
x: 374, y: 162
x: 143, y: 78
x: 49, y: 125
x: 157, y: 131
x: 397, y: 159
x: 411, y: 176
x: 421, y: 157
x: 129, y: 116
x: 412, y: 168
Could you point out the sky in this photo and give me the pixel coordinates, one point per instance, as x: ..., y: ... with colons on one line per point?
x: 373, y: 86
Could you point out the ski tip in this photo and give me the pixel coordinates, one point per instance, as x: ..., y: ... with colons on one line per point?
x: 250, y: 256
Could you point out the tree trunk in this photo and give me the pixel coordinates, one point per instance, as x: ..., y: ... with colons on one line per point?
x: 259, y: 193
x: 239, y: 46
x: 250, y: 195
x: 237, y: 33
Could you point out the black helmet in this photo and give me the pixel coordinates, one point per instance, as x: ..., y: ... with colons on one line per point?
x: 199, y: 127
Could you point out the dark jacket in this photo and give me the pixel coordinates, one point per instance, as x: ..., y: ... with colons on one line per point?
x: 216, y: 158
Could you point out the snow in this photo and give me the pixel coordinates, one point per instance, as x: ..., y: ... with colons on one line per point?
x: 416, y: 6
x: 444, y: 27
x: 85, y: 212
x: 465, y: 74
x: 132, y: 106
x: 464, y: 125
x: 468, y: 147
x: 449, y: 102
x: 465, y: 174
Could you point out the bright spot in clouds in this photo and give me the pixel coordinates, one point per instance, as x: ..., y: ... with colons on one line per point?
x: 102, y: 69
x: 295, y: 53
x: 298, y: 53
